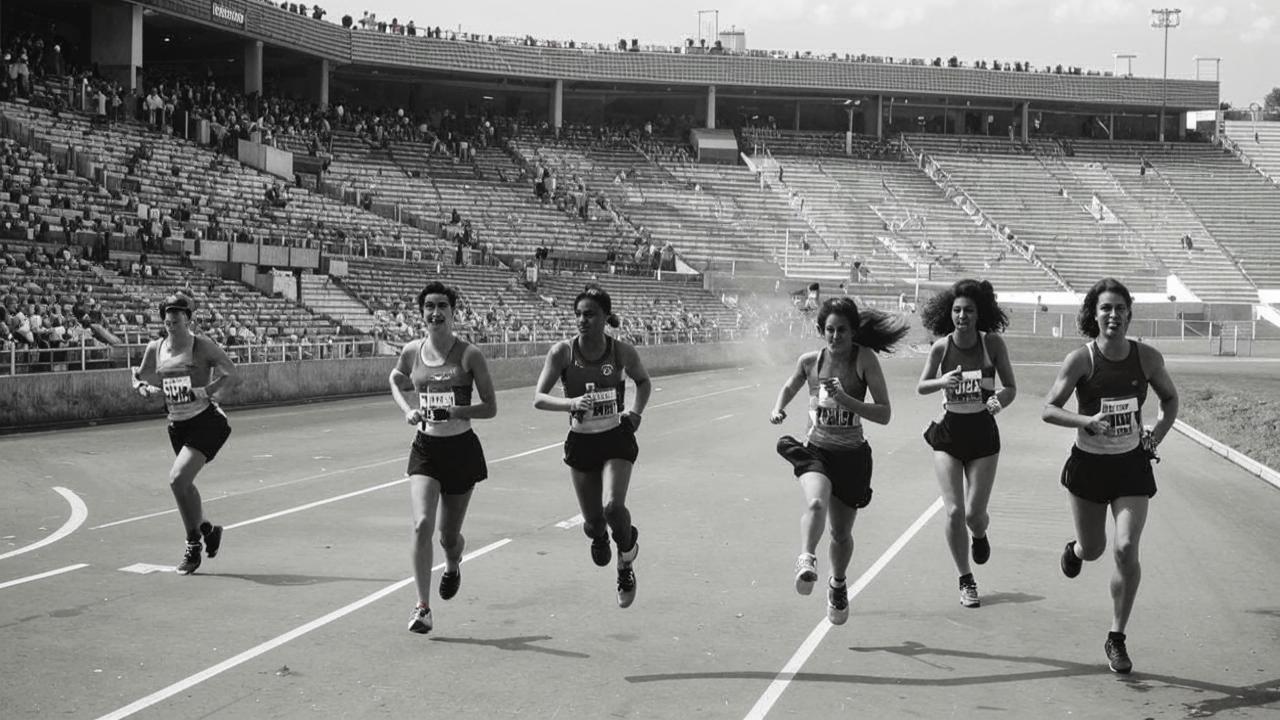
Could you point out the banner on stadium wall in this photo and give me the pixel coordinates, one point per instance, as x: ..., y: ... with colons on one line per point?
x: 225, y: 14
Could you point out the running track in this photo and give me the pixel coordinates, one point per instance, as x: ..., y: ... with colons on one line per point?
x: 303, y: 613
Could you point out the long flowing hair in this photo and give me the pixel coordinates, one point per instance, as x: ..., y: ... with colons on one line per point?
x: 872, y: 328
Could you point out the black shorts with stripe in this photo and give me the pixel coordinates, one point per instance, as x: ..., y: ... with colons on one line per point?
x: 588, y: 452
x: 1103, y: 478
x: 456, y: 461
x: 964, y: 436
x: 205, y: 433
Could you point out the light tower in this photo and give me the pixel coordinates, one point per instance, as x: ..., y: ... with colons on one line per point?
x: 1163, y: 19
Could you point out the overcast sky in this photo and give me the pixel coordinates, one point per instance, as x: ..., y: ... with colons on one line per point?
x: 1071, y: 32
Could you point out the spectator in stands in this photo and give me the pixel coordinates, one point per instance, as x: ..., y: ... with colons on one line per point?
x: 190, y: 371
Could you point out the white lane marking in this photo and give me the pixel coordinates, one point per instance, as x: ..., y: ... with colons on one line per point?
x: 147, y: 568
x: 255, y: 651
x: 722, y: 417
x: 42, y: 575
x: 398, y: 458
x: 691, y: 398
x: 572, y: 522
x: 237, y: 493
x: 801, y: 656
x: 355, y: 493
x: 79, y: 513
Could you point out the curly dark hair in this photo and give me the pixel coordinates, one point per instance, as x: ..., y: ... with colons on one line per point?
x: 936, y: 313
x: 435, y: 287
x: 600, y: 297
x: 872, y: 328
x: 1087, y: 320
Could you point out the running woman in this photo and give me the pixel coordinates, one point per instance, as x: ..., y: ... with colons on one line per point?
x: 191, y: 371
x: 601, y: 448
x: 1110, y: 464
x: 963, y: 363
x: 834, y: 465
x: 446, y: 459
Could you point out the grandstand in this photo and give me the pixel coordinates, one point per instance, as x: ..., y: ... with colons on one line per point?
x: 161, y: 188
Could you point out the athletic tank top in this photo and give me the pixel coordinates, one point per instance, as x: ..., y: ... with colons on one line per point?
x: 977, y: 377
x: 1118, y: 388
x: 441, y: 386
x: 832, y: 425
x: 180, y: 375
x: 602, y: 380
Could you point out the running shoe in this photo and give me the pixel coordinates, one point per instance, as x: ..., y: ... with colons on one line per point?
x: 981, y: 547
x: 449, y: 584
x: 1117, y: 655
x: 837, y: 604
x: 190, y: 558
x: 806, y: 573
x: 420, y: 621
x: 969, y: 592
x: 629, y: 556
x: 212, y: 541
x: 626, y: 585
x: 601, y: 553
x: 1070, y: 563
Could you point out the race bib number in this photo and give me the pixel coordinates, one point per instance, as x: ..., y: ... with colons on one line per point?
x: 1121, y: 415
x: 834, y: 416
x: 604, y: 404
x: 969, y: 389
x: 178, y: 390
x: 433, y: 405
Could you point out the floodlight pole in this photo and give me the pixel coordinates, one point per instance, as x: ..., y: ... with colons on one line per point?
x: 1163, y: 19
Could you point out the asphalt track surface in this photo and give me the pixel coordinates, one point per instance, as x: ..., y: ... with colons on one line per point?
x: 303, y: 613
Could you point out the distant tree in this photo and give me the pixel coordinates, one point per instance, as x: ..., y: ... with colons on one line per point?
x: 1272, y: 101
x: 953, y: 61
x: 1224, y: 106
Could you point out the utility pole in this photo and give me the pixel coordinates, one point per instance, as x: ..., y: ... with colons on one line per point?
x: 1163, y: 19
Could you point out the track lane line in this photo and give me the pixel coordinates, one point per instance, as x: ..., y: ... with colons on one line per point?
x: 79, y: 513
x: 801, y: 656
x: 42, y: 575
x: 261, y: 648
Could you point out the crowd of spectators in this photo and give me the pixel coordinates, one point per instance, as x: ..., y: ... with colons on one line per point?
x: 45, y: 306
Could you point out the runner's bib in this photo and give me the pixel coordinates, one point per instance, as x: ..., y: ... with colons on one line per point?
x: 1121, y: 414
x: 969, y: 390
x: 178, y: 390
x: 431, y: 401
x: 604, y: 404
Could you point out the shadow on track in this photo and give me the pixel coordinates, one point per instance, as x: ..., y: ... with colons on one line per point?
x: 521, y: 643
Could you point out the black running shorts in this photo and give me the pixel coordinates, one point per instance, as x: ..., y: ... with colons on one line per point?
x: 848, y: 470
x: 456, y: 461
x: 1103, y: 478
x: 206, y: 433
x: 963, y: 436
x: 588, y: 452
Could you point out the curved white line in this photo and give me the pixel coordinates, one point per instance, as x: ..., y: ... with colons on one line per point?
x: 79, y: 513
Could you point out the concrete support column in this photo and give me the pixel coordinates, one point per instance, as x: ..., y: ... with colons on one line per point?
x: 879, y: 106
x: 320, y: 83
x: 115, y: 42
x: 1026, y: 121
x: 711, y: 107
x: 253, y: 67
x: 557, y: 105
x: 1182, y: 126
x: 796, y: 124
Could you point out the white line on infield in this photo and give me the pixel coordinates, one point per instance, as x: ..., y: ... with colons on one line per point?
x: 42, y: 575
x: 277, y: 641
x: 572, y: 522
x: 398, y: 458
x: 78, y: 515
x: 801, y: 656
